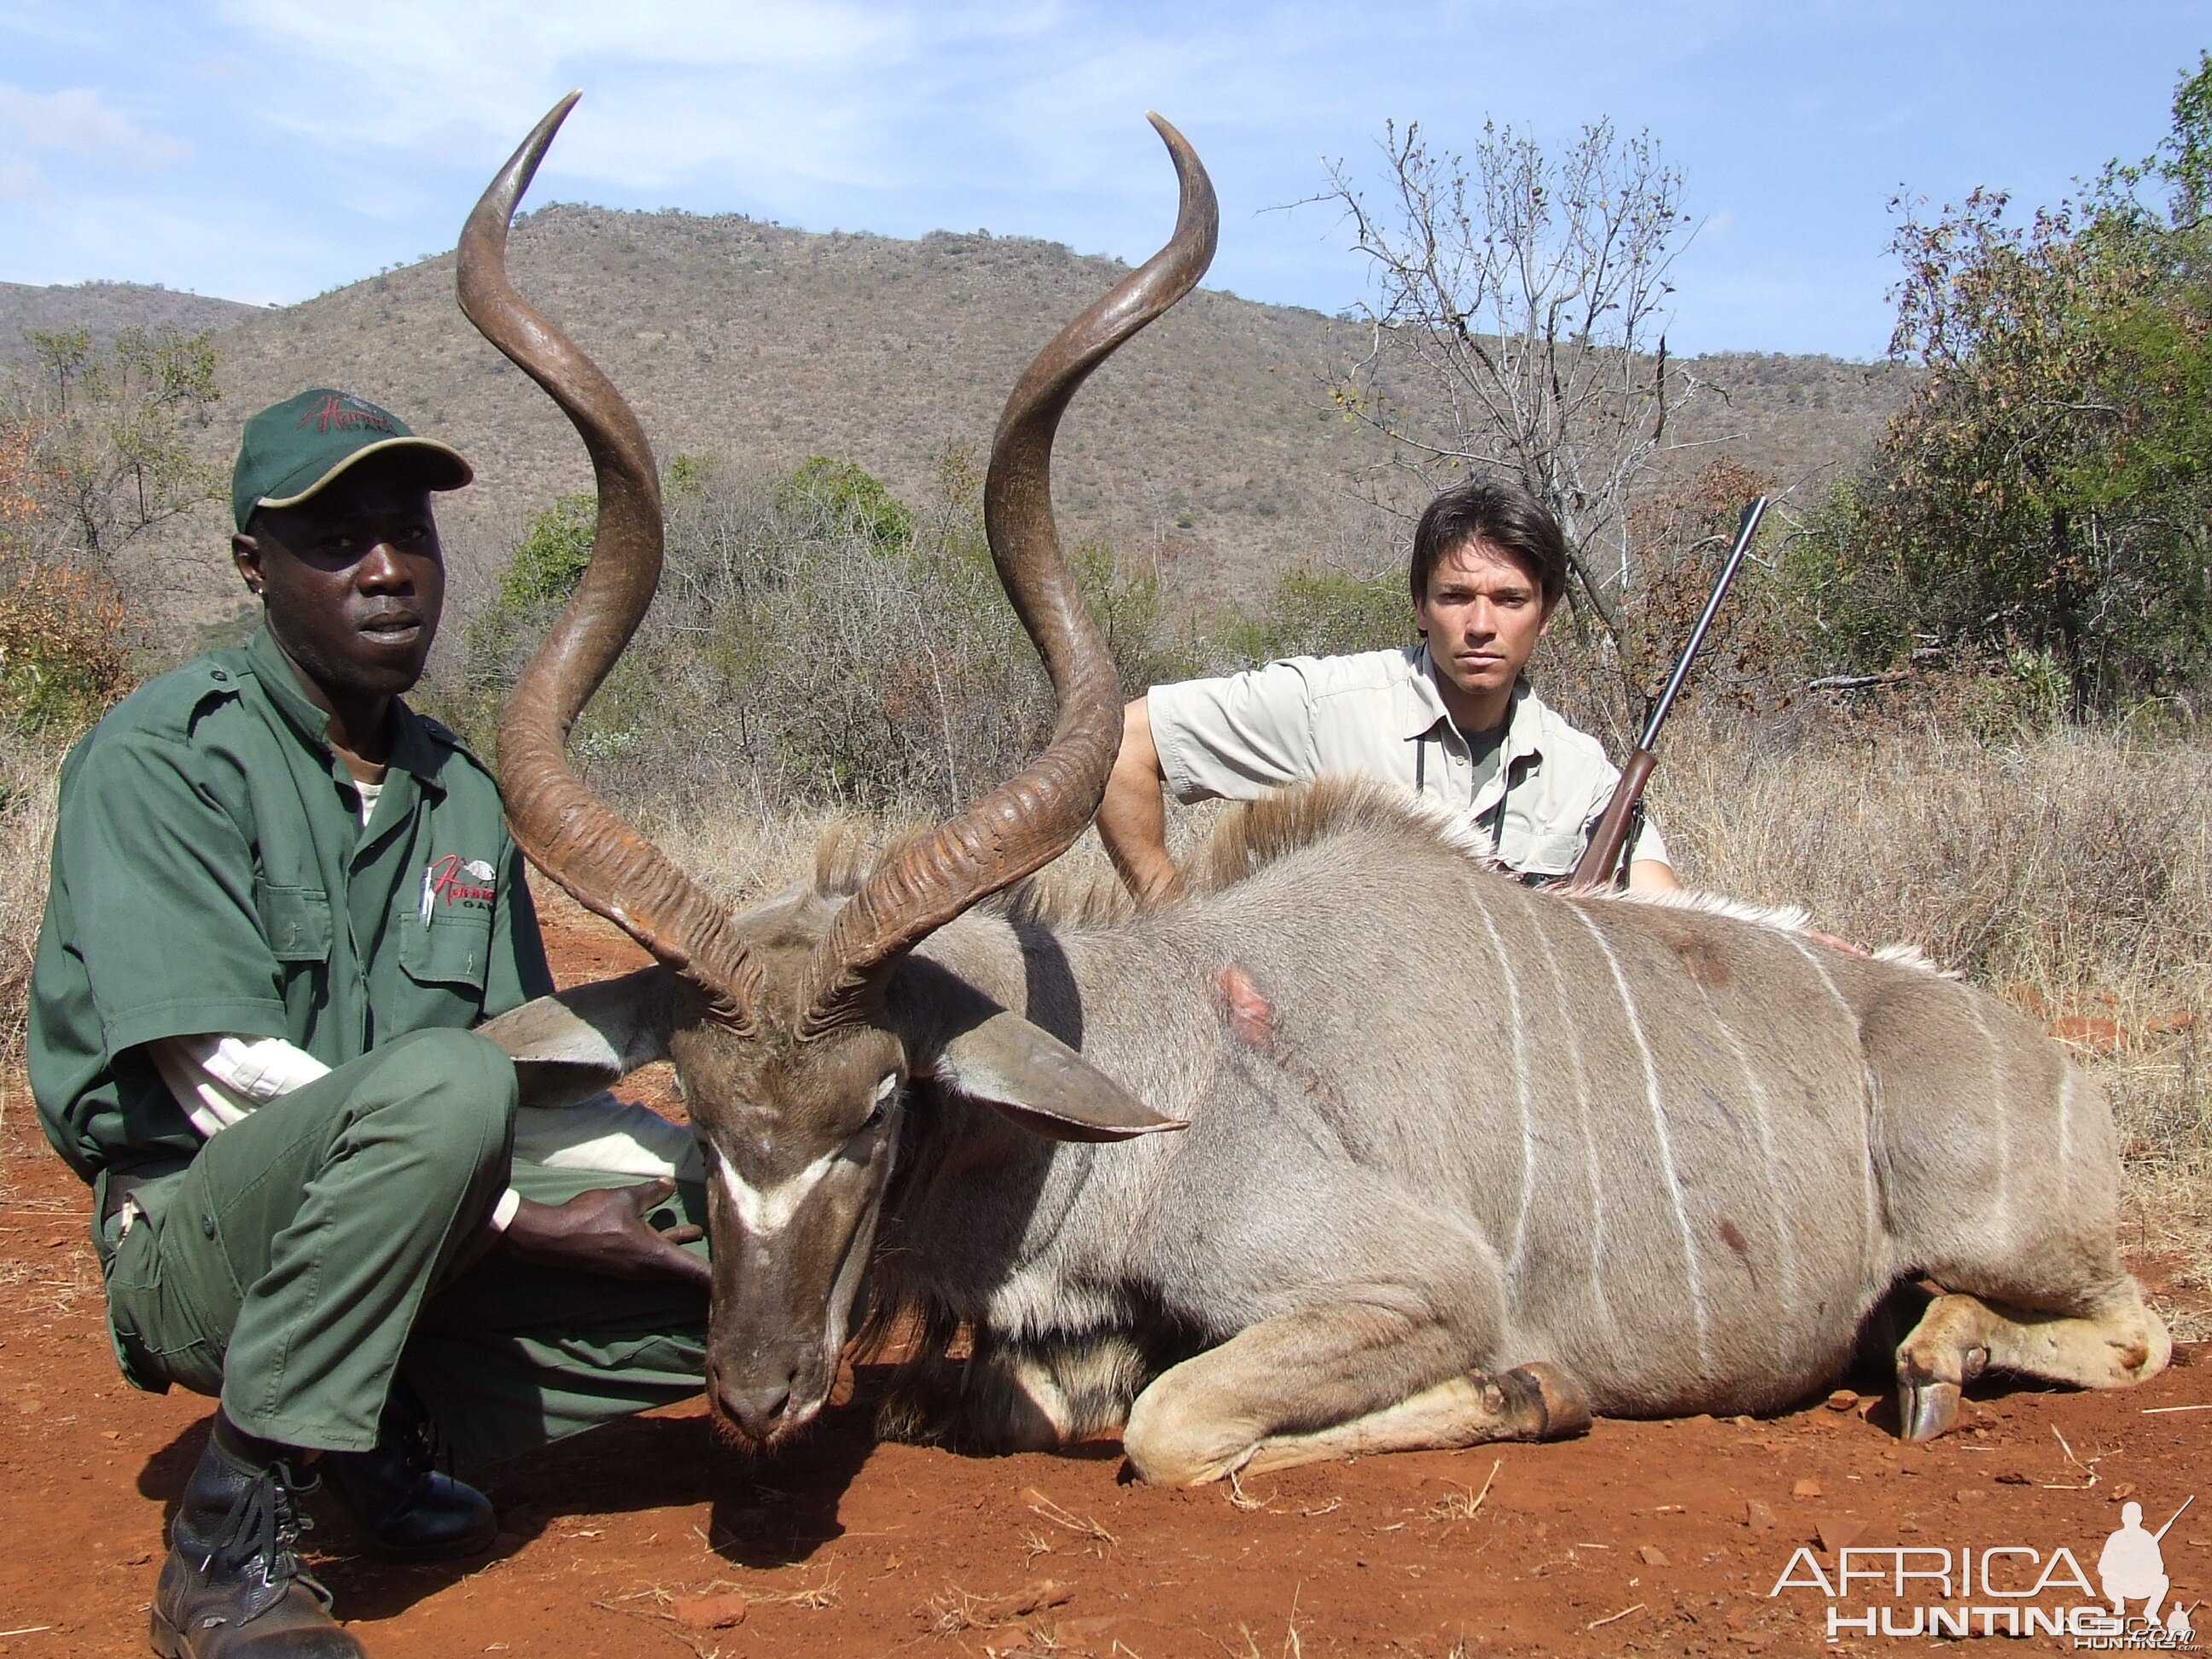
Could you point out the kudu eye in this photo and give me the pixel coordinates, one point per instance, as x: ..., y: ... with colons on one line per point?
x: 886, y: 1092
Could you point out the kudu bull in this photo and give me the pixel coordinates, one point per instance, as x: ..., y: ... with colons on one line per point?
x: 1462, y: 1161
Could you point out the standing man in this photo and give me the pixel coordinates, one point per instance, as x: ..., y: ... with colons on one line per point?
x: 1451, y: 719
x: 279, y: 900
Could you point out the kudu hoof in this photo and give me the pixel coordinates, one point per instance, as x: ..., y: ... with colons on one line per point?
x: 1925, y: 1410
x: 1546, y: 1400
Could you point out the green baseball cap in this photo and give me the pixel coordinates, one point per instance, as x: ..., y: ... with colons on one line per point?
x: 294, y: 448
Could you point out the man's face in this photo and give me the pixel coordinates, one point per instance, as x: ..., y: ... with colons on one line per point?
x: 354, y: 577
x: 1482, y: 614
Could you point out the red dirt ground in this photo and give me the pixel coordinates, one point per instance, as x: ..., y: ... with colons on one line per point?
x: 1644, y: 1537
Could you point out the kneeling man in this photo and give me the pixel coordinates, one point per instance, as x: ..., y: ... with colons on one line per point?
x: 279, y: 900
x: 1451, y: 719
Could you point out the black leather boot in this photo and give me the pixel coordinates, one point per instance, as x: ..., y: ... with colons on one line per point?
x: 405, y: 1508
x: 233, y: 1587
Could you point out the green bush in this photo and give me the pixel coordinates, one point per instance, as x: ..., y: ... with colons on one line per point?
x: 854, y: 496
x: 2045, y: 492
x: 1318, y: 613
x: 552, y: 555
x: 815, y: 642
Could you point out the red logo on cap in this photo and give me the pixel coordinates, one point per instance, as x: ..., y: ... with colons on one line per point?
x: 338, y: 413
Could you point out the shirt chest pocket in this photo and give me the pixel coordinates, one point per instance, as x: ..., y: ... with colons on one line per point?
x: 295, y: 920
x: 452, y: 950
x: 1523, y: 847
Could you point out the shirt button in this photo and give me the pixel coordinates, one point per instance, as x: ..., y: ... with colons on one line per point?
x: 207, y: 1223
x: 219, y: 676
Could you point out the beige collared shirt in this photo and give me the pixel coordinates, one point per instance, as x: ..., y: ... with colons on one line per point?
x: 1379, y: 714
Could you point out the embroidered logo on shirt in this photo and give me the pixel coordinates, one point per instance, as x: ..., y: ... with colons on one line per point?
x: 453, y: 880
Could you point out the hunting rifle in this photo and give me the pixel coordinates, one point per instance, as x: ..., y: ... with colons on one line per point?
x: 1602, y: 859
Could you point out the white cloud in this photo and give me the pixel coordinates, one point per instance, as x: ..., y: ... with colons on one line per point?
x: 695, y: 82
x: 77, y: 124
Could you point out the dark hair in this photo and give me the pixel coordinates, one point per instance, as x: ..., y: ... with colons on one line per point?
x: 1500, y: 512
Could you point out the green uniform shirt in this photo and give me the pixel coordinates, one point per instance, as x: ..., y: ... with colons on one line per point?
x: 211, y: 874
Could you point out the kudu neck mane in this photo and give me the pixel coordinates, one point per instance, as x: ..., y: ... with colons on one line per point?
x: 1246, y: 840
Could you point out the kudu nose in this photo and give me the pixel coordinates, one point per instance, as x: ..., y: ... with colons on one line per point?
x: 757, y: 1407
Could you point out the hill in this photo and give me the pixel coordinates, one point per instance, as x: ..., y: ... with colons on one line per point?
x: 1210, y: 439
x: 105, y: 310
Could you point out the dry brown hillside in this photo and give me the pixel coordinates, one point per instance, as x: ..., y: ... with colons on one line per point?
x: 105, y: 310
x: 1209, y: 437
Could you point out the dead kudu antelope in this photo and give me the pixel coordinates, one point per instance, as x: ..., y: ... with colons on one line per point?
x: 1462, y: 1162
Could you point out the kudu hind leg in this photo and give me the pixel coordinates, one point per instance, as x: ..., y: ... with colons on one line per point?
x: 1960, y: 1337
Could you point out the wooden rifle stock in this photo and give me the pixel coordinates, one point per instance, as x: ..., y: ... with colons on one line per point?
x: 1602, y: 858
x: 1600, y: 865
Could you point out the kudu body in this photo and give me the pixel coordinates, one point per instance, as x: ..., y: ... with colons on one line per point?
x: 1462, y: 1161
x: 1443, y: 1128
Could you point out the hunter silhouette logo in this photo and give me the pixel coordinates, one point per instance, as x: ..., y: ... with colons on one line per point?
x: 2133, y: 1569
x: 2006, y: 1589
x: 339, y: 413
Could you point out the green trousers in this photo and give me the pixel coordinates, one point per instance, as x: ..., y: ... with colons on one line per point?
x: 315, y: 1251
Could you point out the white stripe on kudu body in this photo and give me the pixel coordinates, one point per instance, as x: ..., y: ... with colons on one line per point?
x: 1690, y: 1267
x: 1998, y: 1078
x: 1521, y: 1083
x: 1770, y: 1168
x: 1870, y: 1199
x: 1568, y: 1026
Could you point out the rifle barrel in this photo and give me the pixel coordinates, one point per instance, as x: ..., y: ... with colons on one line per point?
x: 1745, y: 530
x: 2175, y: 1516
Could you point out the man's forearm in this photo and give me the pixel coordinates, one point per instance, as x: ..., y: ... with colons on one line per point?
x: 1133, y: 820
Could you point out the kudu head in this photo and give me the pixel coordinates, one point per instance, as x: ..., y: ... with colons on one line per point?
x: 795, y: 1025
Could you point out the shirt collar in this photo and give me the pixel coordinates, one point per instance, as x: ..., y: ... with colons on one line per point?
x: 412, y: 749
x: 1424, y: 706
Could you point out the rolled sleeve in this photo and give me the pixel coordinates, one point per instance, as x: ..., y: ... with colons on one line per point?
x: 1235, y: 737
x: 159, y: 872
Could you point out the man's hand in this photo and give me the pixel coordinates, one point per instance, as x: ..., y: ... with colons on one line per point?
x: 604, y: 1232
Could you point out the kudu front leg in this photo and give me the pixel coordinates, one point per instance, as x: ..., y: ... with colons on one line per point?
x: 1335, y: 1382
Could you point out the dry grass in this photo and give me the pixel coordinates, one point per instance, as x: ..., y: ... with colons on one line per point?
x: 2079, y: 862
x: 1463, y: 1503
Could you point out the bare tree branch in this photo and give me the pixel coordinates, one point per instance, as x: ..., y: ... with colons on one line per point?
x: 1514, y: 324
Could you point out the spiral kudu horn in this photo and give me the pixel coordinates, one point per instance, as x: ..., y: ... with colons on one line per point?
x: 566, y: 830
x: 1029, y: 820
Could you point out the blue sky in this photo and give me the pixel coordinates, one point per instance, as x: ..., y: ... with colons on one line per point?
x: 269, y: 150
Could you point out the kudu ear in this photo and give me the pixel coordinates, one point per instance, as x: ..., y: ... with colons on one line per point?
x: 1042, y: 1083
x: 978, y: 1048
x: 571, y: 1045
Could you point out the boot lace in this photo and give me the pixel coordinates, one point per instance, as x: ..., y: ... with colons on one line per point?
x: 263, y: 1523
